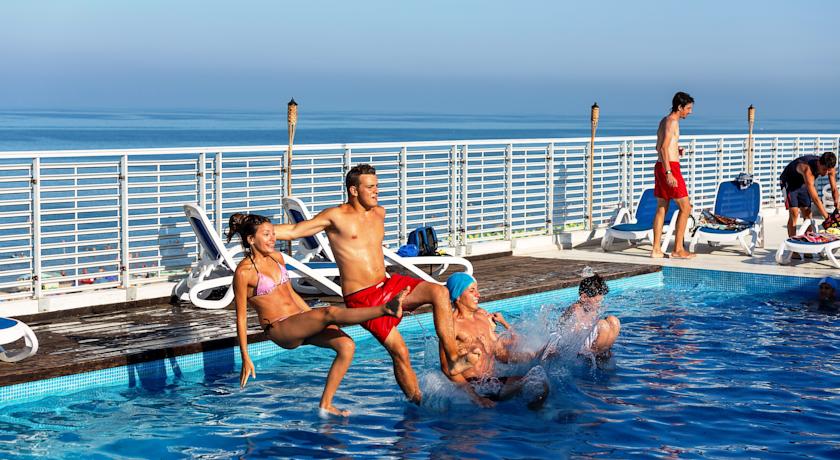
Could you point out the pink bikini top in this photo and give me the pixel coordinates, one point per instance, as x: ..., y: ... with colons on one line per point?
x: 265, y: 284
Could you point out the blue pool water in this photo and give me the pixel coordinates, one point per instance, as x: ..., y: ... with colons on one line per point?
x: 700, y: 370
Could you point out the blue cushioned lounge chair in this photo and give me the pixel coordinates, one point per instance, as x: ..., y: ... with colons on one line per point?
x: 640, y: 226
x: 745, y: 205
x: 12, y: 330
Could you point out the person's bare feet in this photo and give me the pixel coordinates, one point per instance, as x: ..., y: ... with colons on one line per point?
x: 656, y: 254
x: 465, y: 361
x: 683, y: 255
x: 394, y: 306
x: 332, y: 411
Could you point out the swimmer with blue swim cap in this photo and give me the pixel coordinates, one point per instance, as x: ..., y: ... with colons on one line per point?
x: 829, y: 287
x: 475, y: 332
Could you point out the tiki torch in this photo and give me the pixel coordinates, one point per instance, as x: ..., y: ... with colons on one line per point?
x: 751, y: 121
x: 292, y: 118
x: 596, y: 111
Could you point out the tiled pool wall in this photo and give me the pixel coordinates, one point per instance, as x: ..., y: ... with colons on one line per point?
x: 214, y: 364
x: 738, y: 282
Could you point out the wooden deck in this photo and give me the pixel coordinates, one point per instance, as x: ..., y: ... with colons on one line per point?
x: 103, y: 337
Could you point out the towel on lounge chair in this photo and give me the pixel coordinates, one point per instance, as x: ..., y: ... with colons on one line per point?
x: 718, y: 222
x: 813, y: 237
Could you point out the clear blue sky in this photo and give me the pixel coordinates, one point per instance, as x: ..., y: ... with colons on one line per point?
x: 449, y: 56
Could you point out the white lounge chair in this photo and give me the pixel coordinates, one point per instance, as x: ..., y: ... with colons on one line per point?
x: 318, y: 247
x: 791, y: 246
x: 639, y: 226
x: 217, y: 264
x: 744, y: 205
x: 12, y: 330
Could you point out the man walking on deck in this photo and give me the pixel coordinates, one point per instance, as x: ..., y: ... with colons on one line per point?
x: 798, y: 179
x: 669, y: 183
x: 355, y: 230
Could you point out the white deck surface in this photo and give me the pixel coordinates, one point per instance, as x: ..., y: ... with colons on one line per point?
x: 726, y: 258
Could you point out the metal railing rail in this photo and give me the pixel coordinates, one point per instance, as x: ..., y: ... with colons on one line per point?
x: 79, y: 220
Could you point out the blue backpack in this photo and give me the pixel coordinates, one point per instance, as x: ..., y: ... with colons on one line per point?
x: 425, y: 239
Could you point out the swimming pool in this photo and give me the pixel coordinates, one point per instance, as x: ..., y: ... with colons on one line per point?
x: 721, y: 365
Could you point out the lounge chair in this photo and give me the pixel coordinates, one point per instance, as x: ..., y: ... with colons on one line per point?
x: 640, y: 226
x: 744, y: 205
x: 791, y: 246
x: 318, y: 247
x: 12, y: 330
x: 217, y: 264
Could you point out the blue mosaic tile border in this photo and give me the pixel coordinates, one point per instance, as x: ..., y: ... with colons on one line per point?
x: 197, y: 366
x: 738, y: 282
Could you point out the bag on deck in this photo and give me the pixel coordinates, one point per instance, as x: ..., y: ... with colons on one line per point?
x: 425, y: 239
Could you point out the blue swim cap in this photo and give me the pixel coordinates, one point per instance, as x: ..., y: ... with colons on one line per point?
x: 458, y: 283
x: 831, y: 281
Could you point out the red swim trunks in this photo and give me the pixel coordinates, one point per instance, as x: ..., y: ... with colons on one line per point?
x: 661, y: 188
x: 380, y: 294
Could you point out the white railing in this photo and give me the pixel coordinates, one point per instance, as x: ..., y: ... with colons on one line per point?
x: 75, y: 221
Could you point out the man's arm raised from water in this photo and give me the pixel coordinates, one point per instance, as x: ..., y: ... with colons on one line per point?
x: 304, y: 228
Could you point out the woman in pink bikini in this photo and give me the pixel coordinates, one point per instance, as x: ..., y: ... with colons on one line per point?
x: 262, y: 282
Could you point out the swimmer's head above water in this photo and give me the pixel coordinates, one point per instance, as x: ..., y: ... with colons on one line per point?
x: 463, y: 290
x: 828, y: 289
x: 593, y: 286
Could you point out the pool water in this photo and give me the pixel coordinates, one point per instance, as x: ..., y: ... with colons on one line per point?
x: 695, y: 373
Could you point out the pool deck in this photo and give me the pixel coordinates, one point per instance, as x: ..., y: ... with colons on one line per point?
x: 76, y: 341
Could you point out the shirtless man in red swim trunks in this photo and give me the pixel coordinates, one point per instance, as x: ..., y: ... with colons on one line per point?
x: 355, y: 230
x: 669, y: 183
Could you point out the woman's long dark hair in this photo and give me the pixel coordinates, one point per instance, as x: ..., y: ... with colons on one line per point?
x: 245, y: 225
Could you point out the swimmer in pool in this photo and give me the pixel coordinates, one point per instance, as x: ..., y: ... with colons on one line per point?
x: 475, y: 331
x: 261, y: 281
x: 828, y: 291
x: 583, y: 315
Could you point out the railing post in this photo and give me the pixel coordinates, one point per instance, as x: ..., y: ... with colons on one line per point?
x: 774, y: 149
x: 817, y: 146
x: 509, y: 192
x: 453, y: 197
x: 125, y: 266
x: 202, y: 180
x: 631, y: 174
x: 720, y: 162
x: 403, y: 195
x: 549, y: 172
x: 348, y: 153
x: 692, y: 165
x: 36, y: 227
x: 590, y: 181
x: 464, y: 196
x: 217, y: 205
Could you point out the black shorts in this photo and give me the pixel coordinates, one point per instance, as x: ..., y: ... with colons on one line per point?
x: 798, y: 198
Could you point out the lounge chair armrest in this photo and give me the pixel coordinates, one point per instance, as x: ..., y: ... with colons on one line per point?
x: 621, y: 216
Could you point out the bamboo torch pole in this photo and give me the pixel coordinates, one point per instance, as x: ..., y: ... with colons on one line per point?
x: 596, y: 111
x: 751, y: 121
x: 292, y: 117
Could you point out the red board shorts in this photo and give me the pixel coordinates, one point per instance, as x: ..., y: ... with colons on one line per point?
x: 379, y: 294
x: 661, y: 188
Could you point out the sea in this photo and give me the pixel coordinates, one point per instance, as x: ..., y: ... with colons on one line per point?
x: 23, y: 130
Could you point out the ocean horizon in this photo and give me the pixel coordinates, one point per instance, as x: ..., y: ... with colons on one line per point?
x: 22, y: 130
